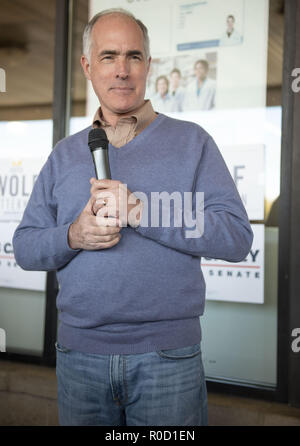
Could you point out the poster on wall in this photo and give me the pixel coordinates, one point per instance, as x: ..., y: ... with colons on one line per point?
x: 11, y: 275
x: 237, y: 282
x: 222, y: 24
x: 246, y: 164
x: 203, y: 53
x: 17, y: 178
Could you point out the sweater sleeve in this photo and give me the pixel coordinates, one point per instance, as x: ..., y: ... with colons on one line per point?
x: 39, y: 243
x: 215, y: 225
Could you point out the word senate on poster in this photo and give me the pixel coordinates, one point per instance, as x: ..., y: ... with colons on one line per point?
x: 237, y: 282
x: 17, y: 178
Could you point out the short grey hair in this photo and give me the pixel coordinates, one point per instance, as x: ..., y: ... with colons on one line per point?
x: 88, y: 29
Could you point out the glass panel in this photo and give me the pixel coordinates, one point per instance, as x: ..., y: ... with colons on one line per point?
x: 240, y: 339
x: 244, y: 116
x: 27, y: 57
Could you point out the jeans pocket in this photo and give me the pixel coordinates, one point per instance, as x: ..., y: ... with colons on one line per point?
x: 61, y: 348
x: 181, y: 352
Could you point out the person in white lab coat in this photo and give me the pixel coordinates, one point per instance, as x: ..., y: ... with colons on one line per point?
x: 200, y: 93
x: 176, y: 91
x: 162, y: 101
x: 231, y: 35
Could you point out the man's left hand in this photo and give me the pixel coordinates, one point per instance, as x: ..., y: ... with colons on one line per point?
x: 120, y: 202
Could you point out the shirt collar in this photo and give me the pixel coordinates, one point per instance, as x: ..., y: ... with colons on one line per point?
x: 141, y: 117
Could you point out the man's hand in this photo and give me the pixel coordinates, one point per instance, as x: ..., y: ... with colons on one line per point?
x: 120, y: 202
x: 91, y: 232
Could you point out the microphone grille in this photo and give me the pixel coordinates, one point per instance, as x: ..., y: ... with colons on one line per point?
x: 97, y: 138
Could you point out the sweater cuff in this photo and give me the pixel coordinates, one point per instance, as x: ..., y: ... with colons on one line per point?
x: 62, y: 247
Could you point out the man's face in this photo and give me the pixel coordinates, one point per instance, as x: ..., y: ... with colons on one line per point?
x: 175, y: 80
x: 118, y: 66
x: 162, y: 87
x: 230, y: 24
x: 200, y: 71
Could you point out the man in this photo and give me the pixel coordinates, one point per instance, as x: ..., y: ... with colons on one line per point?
x: 231, y: 35
x: 131, y: 293
x: 176, y: 91
x: 200, y: 94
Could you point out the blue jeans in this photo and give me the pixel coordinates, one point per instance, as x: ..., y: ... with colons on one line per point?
x: 160, y: 388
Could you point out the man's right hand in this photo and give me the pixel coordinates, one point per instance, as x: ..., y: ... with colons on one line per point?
x: 91, y: 232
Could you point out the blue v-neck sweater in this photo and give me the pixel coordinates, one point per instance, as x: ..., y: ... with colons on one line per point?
x: 147, y: 292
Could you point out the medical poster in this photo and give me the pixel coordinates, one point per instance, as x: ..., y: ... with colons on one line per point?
x: 11, y: 275
x: 201, y: 24
x: 206, y: 55
x: 237, y: 282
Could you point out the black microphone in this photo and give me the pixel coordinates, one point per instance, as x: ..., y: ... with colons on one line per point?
x: 98, y: 144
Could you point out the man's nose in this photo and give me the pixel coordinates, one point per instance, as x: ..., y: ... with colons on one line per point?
x: 122, y: 69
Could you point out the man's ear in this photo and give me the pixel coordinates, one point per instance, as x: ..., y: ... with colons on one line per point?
x: 85, y: 66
